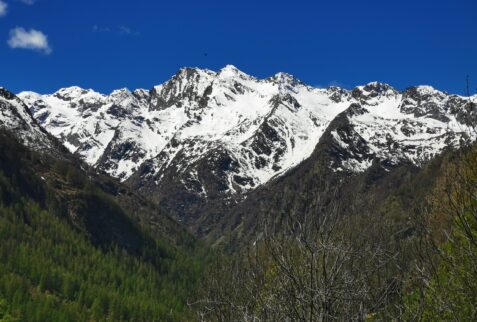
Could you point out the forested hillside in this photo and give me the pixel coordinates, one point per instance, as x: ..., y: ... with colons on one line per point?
x: 75, y: 255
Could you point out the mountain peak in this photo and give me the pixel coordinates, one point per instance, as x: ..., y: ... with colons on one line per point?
x: 230, y: 67
x: 230, y: 71
x: 121, y: 92
x: 72, y: 92
x: 423, y: 91
x: 284, y: 78
x: 191, y: 72
x: 377, y: 87
x: 373, y: 92
x: 123, y: 96
x: 427, y: 90
x: 70, y: 89
x: 285, y: 81
x: 188, y: 74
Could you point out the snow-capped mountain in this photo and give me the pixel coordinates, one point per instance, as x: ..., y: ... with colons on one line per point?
x: 196, y: 111
x: 16, y: 118
x: 414, y: 125
x: 205, y: 135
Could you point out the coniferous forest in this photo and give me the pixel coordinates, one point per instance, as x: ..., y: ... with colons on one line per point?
x: 54, y: 269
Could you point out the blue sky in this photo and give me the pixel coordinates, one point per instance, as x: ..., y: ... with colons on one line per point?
x: 104, y: 45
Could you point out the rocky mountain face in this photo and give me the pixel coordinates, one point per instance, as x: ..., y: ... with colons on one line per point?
x: 206, y: 139
x: 17, y: 118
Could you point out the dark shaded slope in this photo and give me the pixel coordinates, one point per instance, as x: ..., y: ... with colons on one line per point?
x: 99, y: 206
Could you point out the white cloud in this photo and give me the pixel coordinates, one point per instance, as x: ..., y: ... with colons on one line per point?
x: 3, y: 8
x: 31, y: 39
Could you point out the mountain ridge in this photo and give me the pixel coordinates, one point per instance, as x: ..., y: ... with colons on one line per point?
x: 203, y: 136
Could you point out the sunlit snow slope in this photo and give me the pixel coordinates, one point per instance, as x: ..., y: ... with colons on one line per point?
x: 267, y: 126
x: 227, y: 132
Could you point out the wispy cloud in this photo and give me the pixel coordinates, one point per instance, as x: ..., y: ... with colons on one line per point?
x: 121, y: 30
x: 97, y: 28
x: 128, y: 31
x: 3, y: 8
x: 28, y: 2
x: 335, y: 83
x: 29, y: 39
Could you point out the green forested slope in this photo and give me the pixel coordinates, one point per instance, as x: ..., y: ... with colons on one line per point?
x: 75, y: 255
